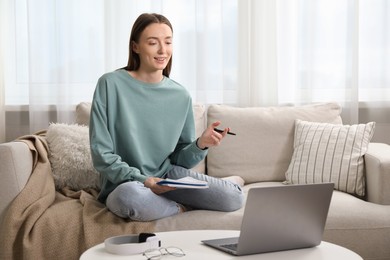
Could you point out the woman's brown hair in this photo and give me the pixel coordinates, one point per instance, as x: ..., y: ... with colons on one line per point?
x: 139, y: 26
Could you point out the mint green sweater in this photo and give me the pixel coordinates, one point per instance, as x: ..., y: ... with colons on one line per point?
x: 139, y: 130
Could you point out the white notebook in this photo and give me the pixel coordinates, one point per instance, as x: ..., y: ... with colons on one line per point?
x: 186, y: 182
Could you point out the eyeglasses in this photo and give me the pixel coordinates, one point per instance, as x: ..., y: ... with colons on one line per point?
x: 157, y: 253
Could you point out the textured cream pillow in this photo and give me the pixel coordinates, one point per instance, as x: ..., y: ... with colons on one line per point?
x: 263, y: 146
x: 70, y: 157
x: 330, y: 153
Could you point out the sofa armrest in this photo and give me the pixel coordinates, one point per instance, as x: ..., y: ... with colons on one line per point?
x: 15, y: 169
x: 377, y: 161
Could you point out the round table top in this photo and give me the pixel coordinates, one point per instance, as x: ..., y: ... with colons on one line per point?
x: 190, y: 242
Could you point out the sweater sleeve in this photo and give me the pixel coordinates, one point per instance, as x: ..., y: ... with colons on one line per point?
x: 105, y: 160
x: 187, y: 154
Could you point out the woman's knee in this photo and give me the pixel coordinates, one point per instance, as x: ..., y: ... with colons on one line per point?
x: 123, y: 199
x: 126, y: 192
x: 134, y: 201
x: 235, y: 202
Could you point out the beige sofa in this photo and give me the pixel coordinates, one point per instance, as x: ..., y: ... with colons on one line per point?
x: 261, y: 153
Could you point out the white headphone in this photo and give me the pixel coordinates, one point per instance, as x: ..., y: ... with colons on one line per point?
x: 132, y: 244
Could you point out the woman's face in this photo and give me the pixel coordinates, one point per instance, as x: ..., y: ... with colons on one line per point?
x: 154, y: 47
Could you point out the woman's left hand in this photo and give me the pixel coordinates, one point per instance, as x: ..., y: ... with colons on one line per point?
x: 151, y: 183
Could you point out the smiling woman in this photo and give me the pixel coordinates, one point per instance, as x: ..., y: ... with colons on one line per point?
x: 142, y: 131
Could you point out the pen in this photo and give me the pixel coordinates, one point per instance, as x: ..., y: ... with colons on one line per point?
x: 221, y: 131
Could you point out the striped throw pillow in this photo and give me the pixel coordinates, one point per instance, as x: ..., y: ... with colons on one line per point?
x: 330, y: 153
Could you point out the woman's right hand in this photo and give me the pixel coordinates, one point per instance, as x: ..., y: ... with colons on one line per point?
x: 210, y: 137
x: 151, y: 183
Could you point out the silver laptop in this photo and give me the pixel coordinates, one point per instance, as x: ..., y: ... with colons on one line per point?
x: 280, y: 218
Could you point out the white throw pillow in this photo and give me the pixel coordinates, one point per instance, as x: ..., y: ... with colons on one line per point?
x: 70, y: 157
x: 326, y: 152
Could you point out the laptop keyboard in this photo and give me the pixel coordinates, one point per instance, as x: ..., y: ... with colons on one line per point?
x: 230, y: 246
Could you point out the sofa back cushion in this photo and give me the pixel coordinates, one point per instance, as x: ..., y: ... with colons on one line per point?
x: 263, y: 146
x: 83, y: 111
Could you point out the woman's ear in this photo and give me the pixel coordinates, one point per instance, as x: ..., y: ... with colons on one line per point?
x: 134, y: 47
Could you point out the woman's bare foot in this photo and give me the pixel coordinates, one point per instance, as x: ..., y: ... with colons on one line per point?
x: 183, y: 208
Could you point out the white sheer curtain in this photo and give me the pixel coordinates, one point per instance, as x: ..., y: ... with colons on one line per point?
x: 3, y: 33
x: 245, y: 53
x: 302, y: 51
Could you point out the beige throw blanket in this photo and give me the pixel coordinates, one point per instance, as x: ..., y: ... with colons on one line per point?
x: 42, y: 223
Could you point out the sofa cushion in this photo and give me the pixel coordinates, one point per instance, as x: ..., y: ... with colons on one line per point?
x: 83, y: 111
x: 70, y: 157
x: 330, y: 153
x: 263, y: 146
x: 200, y: 126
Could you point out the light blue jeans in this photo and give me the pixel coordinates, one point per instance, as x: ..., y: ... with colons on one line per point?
x: 134, y: 201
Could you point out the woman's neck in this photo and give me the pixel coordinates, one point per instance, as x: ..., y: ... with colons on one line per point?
x: 147, y: 77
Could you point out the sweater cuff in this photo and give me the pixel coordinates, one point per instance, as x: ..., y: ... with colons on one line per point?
x: 196, y: 142
x: 141, y: 178
x: 197, y: 151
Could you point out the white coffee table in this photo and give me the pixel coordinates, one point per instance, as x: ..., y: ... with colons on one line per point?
x: 190, y: 243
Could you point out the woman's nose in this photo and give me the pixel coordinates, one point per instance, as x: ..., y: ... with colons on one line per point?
x: 161, y: 48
